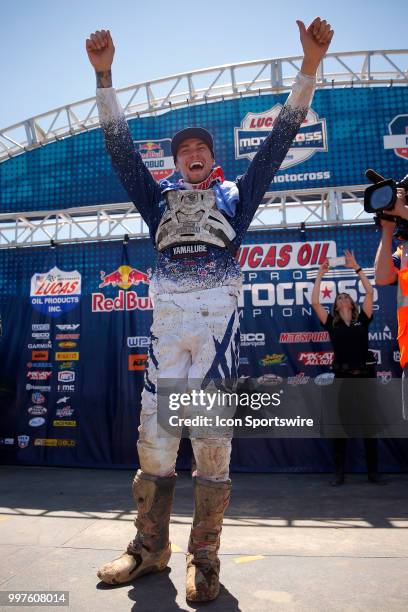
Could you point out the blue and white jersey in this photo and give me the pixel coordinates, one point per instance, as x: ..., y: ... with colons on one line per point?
x: 201, y: 266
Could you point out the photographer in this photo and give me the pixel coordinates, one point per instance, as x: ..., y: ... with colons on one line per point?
x: 391, y: 268
x: 348, y: 331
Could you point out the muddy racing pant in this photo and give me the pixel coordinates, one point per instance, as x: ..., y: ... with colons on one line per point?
x: 194, y: 336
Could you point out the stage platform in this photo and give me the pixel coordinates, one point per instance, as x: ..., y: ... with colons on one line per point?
x: 290, y: 542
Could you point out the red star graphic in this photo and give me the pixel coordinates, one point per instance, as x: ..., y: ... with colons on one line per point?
x: 326, y: 292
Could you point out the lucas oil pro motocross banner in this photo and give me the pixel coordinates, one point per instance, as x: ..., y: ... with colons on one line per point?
x: 75, y: 326
x: 346, y: 131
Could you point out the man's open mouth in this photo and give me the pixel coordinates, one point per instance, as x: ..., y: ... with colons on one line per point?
x: 196, y: 165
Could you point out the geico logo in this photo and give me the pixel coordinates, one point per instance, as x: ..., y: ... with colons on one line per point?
x: 299, y: 293
x: 250, y: 337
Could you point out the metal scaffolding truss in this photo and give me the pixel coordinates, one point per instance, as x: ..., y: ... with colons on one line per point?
x: 352, y: 68
x: 279, y: 210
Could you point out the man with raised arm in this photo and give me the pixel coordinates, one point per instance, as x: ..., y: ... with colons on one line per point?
x: 197, y: 225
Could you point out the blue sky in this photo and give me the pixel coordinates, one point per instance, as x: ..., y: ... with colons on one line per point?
x: 44, y: 64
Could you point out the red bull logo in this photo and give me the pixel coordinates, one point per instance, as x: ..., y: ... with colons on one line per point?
x: 124, y: 278
x: 145, y: 147
x: 157, y: 157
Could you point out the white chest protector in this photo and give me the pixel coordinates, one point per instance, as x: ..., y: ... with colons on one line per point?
x: 192, y: 216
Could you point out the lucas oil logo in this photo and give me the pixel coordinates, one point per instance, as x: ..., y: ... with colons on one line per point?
x: 56, y: 291
x: 157, y: 157
x: 255, y: 127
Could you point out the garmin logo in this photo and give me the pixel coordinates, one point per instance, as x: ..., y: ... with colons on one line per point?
x: 384, y: 335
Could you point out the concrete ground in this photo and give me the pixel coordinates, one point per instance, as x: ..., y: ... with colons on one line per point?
x: 290, y: 542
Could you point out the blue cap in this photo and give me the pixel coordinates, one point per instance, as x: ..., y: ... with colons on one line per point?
x: 191, y: 132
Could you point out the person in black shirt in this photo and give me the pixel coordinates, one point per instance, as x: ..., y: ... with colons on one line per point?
x: 348, y: 331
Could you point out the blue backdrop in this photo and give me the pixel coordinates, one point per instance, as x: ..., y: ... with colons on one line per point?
x: 347, y: 131
x: 75, y: 326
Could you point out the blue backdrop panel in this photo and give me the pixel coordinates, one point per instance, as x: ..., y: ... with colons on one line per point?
x: 75, y: 327
x: 343, y: 135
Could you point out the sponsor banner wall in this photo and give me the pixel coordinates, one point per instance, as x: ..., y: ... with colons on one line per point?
x: 75, y: 326
x: 346, y: 131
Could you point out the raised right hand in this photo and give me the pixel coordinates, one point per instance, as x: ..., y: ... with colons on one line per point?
x: 100, y: 49
x: 324, y: 268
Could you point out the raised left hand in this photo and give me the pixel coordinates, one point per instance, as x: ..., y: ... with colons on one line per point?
x: 315, y: 41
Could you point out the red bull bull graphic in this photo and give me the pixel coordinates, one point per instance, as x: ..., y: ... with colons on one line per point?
x: 157, y: 157
x: 56, y: 291
x: 123, y: 278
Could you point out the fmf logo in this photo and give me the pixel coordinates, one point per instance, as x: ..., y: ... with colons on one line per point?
x: 320, y: 358
x: 56, y: 291
x: 137, y: 362
x: 285, y: 256
x: 398, y: 136
x: 255, y: 127
x: 67, y: 336
x: 157, y: 157
x: 124, y: 278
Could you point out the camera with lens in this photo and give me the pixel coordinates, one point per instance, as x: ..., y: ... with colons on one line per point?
x: 381, y: 197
